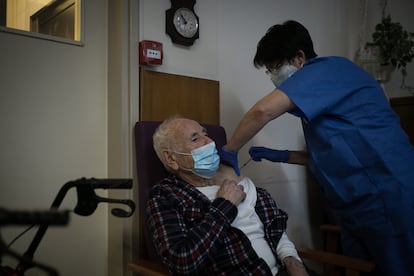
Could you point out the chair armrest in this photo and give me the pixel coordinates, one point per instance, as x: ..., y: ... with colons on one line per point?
x: 332, y: 237
x: 346, y: 262
x: 145, y: 267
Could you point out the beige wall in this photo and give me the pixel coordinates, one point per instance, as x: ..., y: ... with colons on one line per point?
x: 53, y: 122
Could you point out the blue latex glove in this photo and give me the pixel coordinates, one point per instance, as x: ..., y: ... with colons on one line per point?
x: 259, y: 153
x: 229, y: 157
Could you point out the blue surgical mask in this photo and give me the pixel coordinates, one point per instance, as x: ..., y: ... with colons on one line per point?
x: 206, y: 160
x: 285, y: 72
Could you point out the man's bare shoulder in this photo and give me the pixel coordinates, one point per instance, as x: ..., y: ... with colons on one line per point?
x: 226, y: 172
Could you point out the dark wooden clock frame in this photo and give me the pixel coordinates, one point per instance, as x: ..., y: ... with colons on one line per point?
x: 169, y: 25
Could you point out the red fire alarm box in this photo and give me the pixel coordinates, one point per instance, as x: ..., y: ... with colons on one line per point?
x: 150, y: 52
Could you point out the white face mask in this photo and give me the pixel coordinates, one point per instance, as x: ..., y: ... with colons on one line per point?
x: 285, y: 72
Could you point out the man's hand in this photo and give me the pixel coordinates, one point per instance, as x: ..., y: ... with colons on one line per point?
x: 231, y: 191
x: 229, y: 157
x: 257, y: 153
x: 294, y: 267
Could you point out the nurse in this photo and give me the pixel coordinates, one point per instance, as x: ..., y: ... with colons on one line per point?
x: 356, y: 148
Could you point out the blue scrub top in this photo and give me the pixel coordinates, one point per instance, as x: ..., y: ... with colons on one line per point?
x: 360, y: 155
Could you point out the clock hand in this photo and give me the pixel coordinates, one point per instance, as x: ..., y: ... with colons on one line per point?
x: 185, y: 21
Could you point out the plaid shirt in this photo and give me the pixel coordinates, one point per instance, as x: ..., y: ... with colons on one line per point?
x: 194, y: 235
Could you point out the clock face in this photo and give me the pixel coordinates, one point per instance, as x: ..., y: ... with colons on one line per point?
x: 185, y: 22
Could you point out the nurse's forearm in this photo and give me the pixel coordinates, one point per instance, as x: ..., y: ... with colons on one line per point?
x: 249, y: 126
x: 298, y: 157
x: 266, y: 109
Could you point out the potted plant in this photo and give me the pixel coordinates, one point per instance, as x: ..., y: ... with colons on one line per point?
x: 394, y: 46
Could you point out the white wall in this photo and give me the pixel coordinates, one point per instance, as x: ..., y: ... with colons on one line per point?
x: 53, y: 121
x: 242, y: 85
x: 229, y: 32
x: 201, y: 59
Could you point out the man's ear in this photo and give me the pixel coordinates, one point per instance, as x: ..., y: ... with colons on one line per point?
x: 169, y: 160
x: 302, y: 57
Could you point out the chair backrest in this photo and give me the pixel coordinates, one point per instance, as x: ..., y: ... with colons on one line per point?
x: 150, y: 171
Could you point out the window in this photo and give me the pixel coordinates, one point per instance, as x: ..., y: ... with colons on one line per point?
x: 58, y: 20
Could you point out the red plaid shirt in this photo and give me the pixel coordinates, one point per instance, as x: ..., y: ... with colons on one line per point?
x: 194, y: 236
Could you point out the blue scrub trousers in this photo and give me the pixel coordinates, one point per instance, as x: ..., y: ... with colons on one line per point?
x: 393, y: 255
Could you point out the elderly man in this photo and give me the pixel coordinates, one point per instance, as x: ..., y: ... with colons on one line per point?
x: 205, y: 219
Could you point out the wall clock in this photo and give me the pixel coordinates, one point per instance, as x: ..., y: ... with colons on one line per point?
x: 181, y: 22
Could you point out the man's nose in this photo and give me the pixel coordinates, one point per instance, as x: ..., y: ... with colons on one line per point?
x: 207, y: 140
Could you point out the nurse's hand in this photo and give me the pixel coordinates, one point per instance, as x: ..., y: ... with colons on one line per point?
x: 259, y: 153
x: 229, y: 157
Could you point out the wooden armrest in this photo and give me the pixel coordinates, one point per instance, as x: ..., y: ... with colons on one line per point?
x: 332, y: 237
x: 144, y: 267
x: 338, y: 260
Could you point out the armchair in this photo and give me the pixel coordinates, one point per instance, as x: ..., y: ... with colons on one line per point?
x: 149, y: 171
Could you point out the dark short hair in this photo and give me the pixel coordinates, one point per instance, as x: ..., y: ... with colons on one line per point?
x: 283, y: 42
